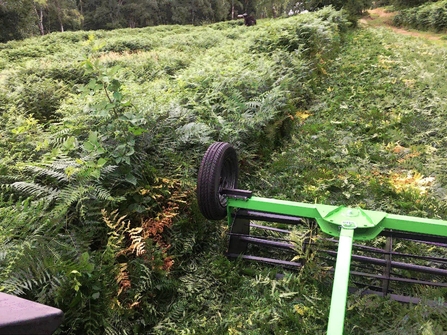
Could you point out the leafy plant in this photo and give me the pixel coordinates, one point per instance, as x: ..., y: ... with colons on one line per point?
x: 430, y: 16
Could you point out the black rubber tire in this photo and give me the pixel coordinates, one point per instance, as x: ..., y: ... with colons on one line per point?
x: 219, y: 169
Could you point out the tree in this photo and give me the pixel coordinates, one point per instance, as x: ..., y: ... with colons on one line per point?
x: 142, y: 13
x: 16, y: 19
x: 353, y: 7
x: 39, y: 7
x: 274, y: 8
x: 103, y: 14
x: 56, y: 15
x: 66, y: 14
x: 220, y: 9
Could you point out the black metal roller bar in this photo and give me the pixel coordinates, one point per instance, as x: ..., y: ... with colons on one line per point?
x: 261, y: 241
x: 436, y: 240
x: 278, y: 230
x: 395, y: 297
x: 267, y: 217
x: 399, y: 279
x: 398, y: 254
x: 271, y: 261
x: 394, y: 264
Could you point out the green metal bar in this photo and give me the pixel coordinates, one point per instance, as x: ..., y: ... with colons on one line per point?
x: 272, y: 206
x: 415, y: 225
x: 330, y: 218
x: 348, y: 224
x: 341, y: 280
x: 276, y: 206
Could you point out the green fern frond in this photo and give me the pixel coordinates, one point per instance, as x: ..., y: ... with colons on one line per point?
x: 177, y: 310
x: 60, y: 136
x: 33, y: 190
x: 102, y: 194
x: 145, y: 275
x: 107, y: 170
x: 33, y: 264
x: 73, y: 194
x: 62, y: 164
x: 194, y: 133
x: 111, y: 330
x: 254, y: 104
x: 9, y: 179
x: 47, y: 172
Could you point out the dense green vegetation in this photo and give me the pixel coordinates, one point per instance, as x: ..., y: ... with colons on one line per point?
x: 430, y: 16
x: 401, y: 3
x: 374, y: 137
x: 102, y: 134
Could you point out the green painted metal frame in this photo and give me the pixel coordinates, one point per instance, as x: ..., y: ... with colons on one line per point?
x: 348, y: 224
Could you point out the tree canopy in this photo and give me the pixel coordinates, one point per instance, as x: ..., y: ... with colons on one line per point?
x: 24, y: 18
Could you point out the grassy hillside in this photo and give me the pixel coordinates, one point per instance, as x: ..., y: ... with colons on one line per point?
x: 102, y: 134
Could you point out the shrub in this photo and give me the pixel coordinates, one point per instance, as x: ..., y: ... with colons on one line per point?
x: 40, y: 98
x: 309, y: 34
x: 431, y: 16
x: 128, y: 44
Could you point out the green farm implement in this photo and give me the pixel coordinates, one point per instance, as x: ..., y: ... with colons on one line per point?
x: 258, y: 233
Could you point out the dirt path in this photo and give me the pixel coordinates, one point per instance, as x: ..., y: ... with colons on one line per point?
x: 378, y: 17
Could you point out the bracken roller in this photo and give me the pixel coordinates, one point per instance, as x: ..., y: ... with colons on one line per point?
x: 335, y: 234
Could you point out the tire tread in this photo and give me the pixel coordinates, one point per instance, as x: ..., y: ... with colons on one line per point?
x: 209, y: 176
